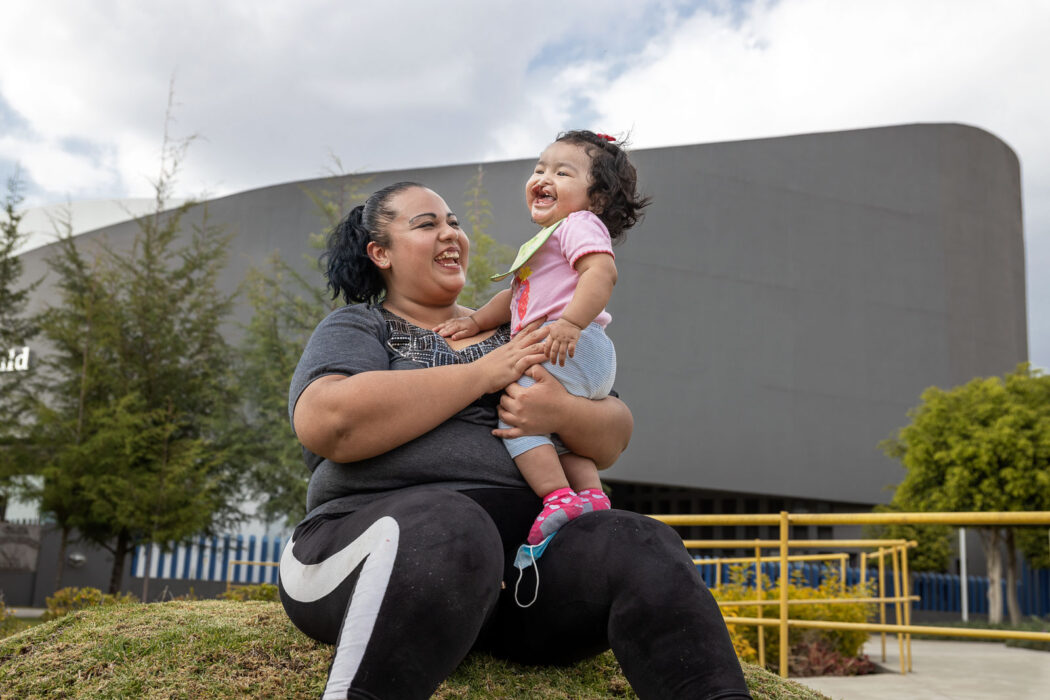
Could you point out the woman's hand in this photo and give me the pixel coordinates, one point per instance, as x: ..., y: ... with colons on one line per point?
x: 534, y: 410
x: 460, y: 327
x: 599, y: 430
x: 504, y: 365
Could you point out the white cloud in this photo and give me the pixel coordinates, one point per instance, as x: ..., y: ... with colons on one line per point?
x: 799, y: 66
x: 274, y: 87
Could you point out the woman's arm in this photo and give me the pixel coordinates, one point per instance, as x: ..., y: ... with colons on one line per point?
x: 599, y: 430
x: 349, y: 418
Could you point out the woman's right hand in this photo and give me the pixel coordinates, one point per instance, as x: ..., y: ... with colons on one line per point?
x: 506, y: 364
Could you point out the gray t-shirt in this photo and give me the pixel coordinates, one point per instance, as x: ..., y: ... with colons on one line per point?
x: 461, y: 453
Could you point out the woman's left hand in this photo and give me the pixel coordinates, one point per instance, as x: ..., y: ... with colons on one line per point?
x: 533, y: 410
x: 598, y: 429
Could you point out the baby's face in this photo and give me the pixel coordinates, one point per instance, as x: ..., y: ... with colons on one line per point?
x: 559, y: 183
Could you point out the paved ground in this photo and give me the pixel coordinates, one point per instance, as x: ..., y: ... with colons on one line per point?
x: 946, y: 670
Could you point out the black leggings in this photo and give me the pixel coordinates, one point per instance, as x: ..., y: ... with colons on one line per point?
x: 408, y: 585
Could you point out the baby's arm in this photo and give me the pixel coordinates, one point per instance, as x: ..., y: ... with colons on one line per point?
x: 495, y: 313
x: 593, y: 291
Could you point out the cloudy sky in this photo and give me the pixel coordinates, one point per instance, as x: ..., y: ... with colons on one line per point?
x: 274, y: 88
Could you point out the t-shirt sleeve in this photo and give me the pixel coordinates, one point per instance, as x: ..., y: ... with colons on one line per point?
x: 583, y: 233
x: 348, y: 341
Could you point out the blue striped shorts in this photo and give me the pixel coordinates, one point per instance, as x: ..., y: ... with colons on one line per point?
x: 589, y: 373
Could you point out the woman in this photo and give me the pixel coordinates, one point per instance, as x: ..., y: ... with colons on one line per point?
x: 416, y: 509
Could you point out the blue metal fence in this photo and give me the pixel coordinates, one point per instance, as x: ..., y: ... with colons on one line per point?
x: 208, y: 559
x: 937, y: 592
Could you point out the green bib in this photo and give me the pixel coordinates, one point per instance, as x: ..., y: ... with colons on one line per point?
x: 527, y: 250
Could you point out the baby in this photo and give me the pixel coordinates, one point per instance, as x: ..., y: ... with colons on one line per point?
x: 582, y: 192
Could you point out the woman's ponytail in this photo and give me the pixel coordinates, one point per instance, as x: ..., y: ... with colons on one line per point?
x: 350, y: 272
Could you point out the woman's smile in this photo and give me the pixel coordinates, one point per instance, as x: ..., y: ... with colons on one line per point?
x: 449, y: 259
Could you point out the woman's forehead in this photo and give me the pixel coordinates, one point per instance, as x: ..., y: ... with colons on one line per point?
x: 419, y: 200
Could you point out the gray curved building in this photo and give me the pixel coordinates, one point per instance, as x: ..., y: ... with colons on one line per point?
x: 781, y: 307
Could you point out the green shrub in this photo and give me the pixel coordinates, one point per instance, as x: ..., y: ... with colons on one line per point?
x: 67, y: 600
x: 838, y: 643
x: 8, y: 621
x: 256, y: 591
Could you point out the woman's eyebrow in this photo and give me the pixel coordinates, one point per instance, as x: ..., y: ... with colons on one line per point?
x: 421, y: 216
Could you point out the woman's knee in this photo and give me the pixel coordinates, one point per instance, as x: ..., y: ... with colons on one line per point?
x: 630, y: 545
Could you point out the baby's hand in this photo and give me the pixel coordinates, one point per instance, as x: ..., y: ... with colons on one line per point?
x: 459, y: 327
x: 561, y: 343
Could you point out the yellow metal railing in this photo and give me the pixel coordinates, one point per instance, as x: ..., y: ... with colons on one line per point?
x: 229, y: 569
x: 896, y: 550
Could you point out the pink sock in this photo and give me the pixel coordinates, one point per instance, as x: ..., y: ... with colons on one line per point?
x: 559, y: 507
x: 594, y: 499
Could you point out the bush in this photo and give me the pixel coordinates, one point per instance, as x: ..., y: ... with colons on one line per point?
x: 841, y: 644
x: 8, y: 621
x: 67, y: 600
x: 257, y: 591
x: 813, y: 657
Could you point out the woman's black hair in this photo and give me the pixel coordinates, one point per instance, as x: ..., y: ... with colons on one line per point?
x: 349, y: 270
x: 613, y: 181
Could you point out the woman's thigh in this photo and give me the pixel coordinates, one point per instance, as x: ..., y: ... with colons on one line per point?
x: 404, y: 583
x: 619, y: 579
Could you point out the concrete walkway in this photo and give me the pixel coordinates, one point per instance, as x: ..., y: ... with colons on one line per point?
x: 943, y: 670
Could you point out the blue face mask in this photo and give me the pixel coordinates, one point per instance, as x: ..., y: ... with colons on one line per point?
x: 527, y: 556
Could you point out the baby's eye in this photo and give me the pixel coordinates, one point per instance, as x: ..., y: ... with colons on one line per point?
x: 563, y: 173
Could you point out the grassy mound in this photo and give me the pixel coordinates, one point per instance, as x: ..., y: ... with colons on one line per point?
x: 225, y: 649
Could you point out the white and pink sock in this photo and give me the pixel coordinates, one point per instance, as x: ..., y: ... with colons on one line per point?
x: 559, y: 507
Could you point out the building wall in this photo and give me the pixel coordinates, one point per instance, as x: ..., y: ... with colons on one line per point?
x: 781, y: 307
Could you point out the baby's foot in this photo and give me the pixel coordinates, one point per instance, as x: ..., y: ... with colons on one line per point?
x: 594, y: 499
x: 559, y: 507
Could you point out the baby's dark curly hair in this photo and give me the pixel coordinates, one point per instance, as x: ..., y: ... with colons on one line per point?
x: 613, y: 191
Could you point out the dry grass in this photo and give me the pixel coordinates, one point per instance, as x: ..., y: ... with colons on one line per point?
x: 225, y: 649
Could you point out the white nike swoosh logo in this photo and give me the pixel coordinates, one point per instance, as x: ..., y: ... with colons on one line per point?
x: 306, y: 583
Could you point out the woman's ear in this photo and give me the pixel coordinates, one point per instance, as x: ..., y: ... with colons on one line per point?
x: 378, y: 255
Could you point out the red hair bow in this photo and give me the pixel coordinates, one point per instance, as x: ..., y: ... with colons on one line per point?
x: 606, y: 137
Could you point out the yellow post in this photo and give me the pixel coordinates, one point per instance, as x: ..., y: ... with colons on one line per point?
x: 882, y: 597
x: 907, y: 602
x: 718, y: 573
x: 783, y: 594
x: 894, y: 553
x: 863, y: 568
x: 842, y: 572
x: 761, y: 596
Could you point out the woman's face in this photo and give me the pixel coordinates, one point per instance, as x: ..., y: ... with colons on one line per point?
x: 426, y: 259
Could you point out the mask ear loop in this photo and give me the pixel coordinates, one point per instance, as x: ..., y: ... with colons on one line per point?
x: 521, y: 572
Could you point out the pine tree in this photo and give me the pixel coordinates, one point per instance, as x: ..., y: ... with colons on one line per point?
x: 16, y: 331
x: 487, y: 255
x: 136, y: 438
x: 286, y: 307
